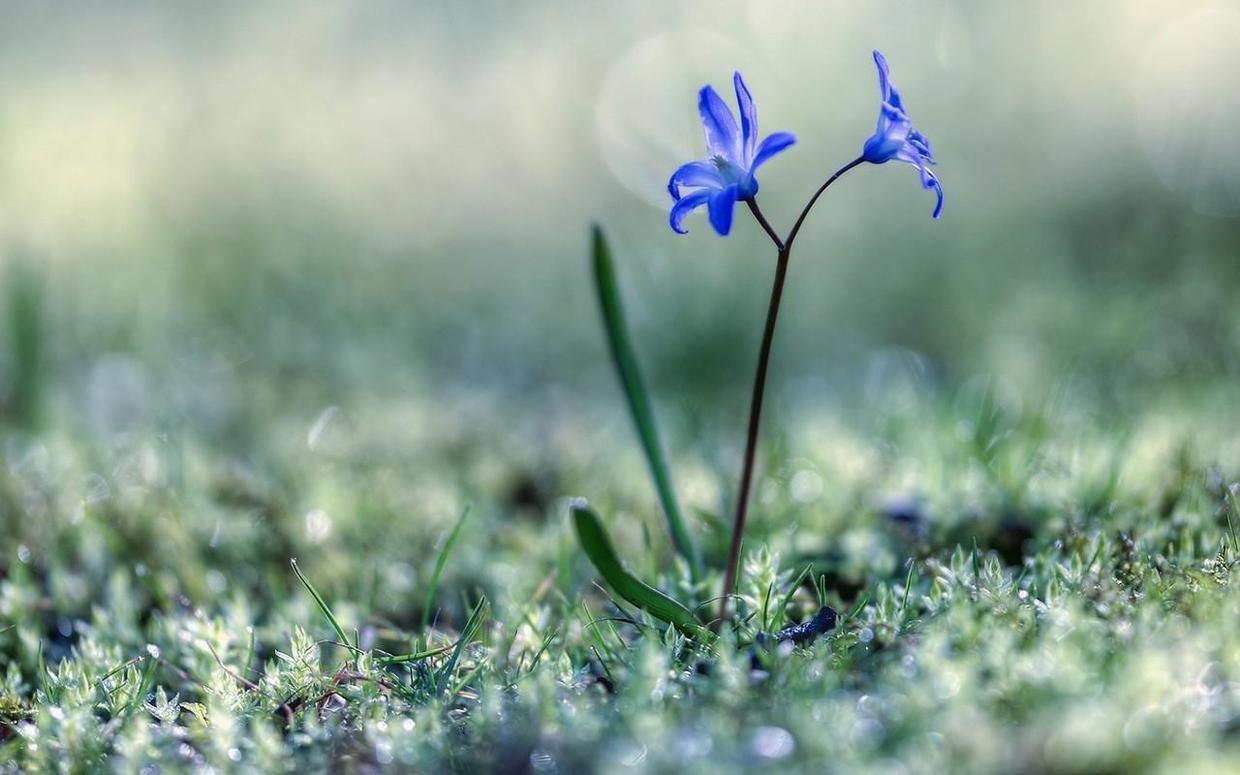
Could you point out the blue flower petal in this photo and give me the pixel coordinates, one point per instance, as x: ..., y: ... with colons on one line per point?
x: 773, y: 143
x: 726, y: 176
x: 884, y: 74
x: 890, y: 135
x: 890, y: 93
x: 749, y: 119
x: 722, y: 137
x: 922, y: 145
x: 720, y: 206
x: 686, y: 205
x: 694, y: 174
x: 895, y: 138
x: 929, y: 181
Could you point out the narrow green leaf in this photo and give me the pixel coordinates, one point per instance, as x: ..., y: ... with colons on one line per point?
x: 546, y: 644
x: 45, y: 675
x: 977, y: 571
x: 249, y: 653
x: 792, y: 590
x: 598, y: 548
x: 639, y: 401
x: 908, y: 584
x: 464, y: 681
x: 322, y: 604
x: 144, y: 687
x: 1235, y: 507
x: 472, y: 624
x: 601, y: 647
x: 418, y: 656
x: 439, y: 566
x: 28, y: 340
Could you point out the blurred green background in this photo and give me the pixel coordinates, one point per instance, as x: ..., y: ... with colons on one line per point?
x: 391, y: 200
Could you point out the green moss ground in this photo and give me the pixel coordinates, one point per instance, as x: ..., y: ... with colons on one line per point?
x: 1035, y: 588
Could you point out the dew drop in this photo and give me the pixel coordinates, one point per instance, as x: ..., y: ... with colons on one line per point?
x: 318, y: 525
x: 772, y: 743
x: 320, y: 426
x: 806, y: 486
x: 542, y: 761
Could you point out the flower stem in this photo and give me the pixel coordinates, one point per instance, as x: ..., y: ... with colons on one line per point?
x: 784, y: 248
x: 796, y: 227
x: 751, y: 440
x: 766, y: 226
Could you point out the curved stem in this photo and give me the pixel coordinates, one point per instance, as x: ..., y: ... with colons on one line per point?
x: 759, y: 386
x: 766, y: 226
x: 751, y: 439
x: 796, y: 227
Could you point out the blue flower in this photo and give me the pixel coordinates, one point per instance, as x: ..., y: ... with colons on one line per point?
x: 725, y: 177
x: 895, y: 137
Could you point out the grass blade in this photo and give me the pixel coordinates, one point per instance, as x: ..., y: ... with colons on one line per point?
x: 639, y: 401
x: 792, y: 590
x: 546, y: 644
x: 417, y: 656
x: 144, y: 687
x: 1235, y: 507
x: 440, y: 564
x: 598, y: 548
x: 322, y: 604
x: 27, y: 323
x: 472, y: 624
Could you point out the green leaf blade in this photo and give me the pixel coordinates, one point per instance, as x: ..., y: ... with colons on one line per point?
x: 638, y: 399
x: 598, y: 548
x: 440, y: 564
x: 323, y: 606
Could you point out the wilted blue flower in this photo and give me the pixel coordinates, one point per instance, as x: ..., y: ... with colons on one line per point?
x: 895, y: 137
x: 725, y: 177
